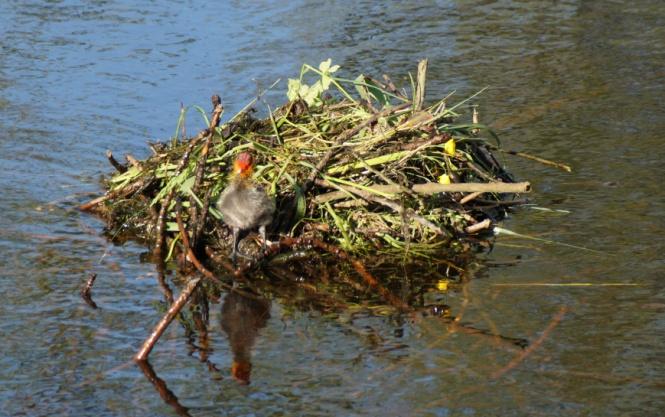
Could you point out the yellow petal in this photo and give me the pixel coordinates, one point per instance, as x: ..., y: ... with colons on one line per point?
x: 444, y: 179
x: 449, y: 147
x: 442, y: 285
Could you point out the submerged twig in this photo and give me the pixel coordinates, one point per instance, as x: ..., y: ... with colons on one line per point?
x: 86, y: 289
x: 535, y: 345
x: 543, y: 161
x: 159, y: 329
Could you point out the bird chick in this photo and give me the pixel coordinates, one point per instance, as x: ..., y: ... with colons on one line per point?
x: 244, y: 204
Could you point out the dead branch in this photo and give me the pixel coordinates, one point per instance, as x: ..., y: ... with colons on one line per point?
x: 159, y: 329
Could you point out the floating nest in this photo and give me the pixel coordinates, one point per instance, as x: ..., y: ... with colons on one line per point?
x: 359, y: 168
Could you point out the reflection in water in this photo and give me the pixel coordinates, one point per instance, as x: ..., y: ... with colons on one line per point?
x: 577, y: 81
x: 160, y: 385
x: 242, y: 317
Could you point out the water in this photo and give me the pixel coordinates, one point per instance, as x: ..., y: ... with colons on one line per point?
x: 574, y: 81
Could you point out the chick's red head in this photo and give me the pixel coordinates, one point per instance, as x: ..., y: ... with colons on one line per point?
x: 243, y: 164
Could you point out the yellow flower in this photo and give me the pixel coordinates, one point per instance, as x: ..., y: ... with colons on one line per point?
x: 449, y: 147
x: 444, y: 179
x: 442, y: 285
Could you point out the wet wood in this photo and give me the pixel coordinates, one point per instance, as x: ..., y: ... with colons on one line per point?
x: 163, y: 324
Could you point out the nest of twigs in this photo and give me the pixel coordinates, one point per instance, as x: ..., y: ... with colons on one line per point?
x: 355, y: 164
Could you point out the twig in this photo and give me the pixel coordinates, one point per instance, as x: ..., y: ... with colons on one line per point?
x: 543, y: 161
x: 535, y: 345
x: 189, y: 253
x: 475, y: 228
x: 419, y: 94
x: 133, y: 161
x: 85, y: 291
x: 201, y: 163
x: 470, y: 197
x: 122, y: 192
x: 159, y: 329
x: 117, y: 165
x: 166, y: 202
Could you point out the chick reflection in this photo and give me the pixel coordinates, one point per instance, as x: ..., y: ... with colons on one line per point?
x: 242, y: 317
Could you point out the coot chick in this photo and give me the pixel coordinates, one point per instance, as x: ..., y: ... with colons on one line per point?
x: 244, y: 204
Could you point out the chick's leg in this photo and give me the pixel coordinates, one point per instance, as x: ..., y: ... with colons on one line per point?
x: 234, y: 251
x: 262, y: 232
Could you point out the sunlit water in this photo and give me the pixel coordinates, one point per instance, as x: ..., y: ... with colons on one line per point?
x: 576, y: 81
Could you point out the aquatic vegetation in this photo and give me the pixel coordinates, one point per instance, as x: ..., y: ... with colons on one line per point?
x: 364, y: 180
x: 354, y: 162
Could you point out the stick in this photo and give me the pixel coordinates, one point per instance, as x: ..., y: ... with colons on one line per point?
x: 433, y: 188
x: 470, y: 197
x: 194, y: 214
x: 122, y: 192
x: 475, y: 228
x: 159, y: 329
x: 190, y: 253
x: 117, y: 165
x: 523, y: 355
x: 544, y: 161
x: 419, y: 94
x: 85, y: 291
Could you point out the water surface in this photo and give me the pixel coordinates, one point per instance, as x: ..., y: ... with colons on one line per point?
x: 573, y: 81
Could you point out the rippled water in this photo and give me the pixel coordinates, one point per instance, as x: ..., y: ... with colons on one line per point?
x: 574, y: 81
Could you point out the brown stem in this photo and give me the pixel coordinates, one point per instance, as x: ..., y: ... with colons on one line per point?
x: 475, y: 228
x: 133, y: 161
x: 189, y: 253
x: 118, y: 193
x: 470, y: 197
x: 201, y: 165
x: 160, y: 226
x: 543, y: 161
